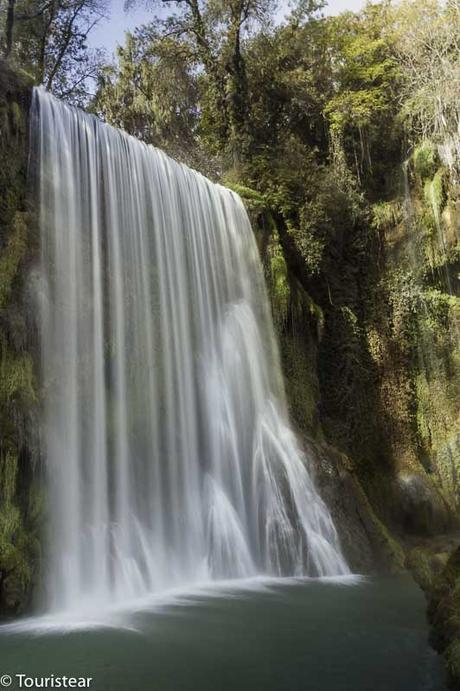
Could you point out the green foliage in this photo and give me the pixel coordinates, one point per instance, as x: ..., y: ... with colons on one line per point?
x: 18, y: 544
x: 255, y: 202
x: 310, y: 236
x: 246, y: 193
x: 280, y: 286
x: 362, y: 105
x: 438, y: 308
x: 386, y: 215
x: 435, y: 194
x: 276, y: 274
x: 425, y: 160
x: 427, y: 46
x: 16, y: 377
x: 151, y: 92
x: 200, y: 46
x: 49, y: 40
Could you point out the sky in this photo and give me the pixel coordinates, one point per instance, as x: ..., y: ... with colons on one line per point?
x: 110, y: 32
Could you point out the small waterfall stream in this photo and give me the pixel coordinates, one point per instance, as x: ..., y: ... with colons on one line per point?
x: 170, y: 456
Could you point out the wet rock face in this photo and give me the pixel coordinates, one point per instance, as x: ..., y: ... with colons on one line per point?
x: 389, y: 422
x: 444, y: 616
x: 367, y: 544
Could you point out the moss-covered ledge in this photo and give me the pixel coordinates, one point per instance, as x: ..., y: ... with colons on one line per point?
x: 438, y: 574
x: 20, y: 501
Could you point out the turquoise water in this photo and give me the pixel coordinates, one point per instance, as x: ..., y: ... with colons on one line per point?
x: 291, y: 636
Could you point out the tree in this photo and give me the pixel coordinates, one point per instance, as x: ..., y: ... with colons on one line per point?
x: 152, y: 93
x: 289, y: 80
x: 362, y: 108
x: 49, y: 39
x: 209, y: 35
x: 428, y: 51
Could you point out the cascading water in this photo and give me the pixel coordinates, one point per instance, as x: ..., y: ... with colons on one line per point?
x: 170, y: 457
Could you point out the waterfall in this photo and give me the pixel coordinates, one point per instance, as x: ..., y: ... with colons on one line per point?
x: 170, y: 459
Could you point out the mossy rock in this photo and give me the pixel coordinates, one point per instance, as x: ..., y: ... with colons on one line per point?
x: 444, y: 616
x: 20, y: 514
x: 252, y: 199
x: 435, y: 192
x: 278, y: 282
x: 425, y: 160
x: 425, y: 566
x: 14, y: 79
x: 12, y: 255
x: 452, y: 657
x: 19, y: 545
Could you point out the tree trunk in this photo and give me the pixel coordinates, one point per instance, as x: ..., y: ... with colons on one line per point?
x: 9, y: 28
x: 237, y: 93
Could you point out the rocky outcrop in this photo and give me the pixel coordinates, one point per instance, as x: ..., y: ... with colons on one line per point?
x: 438, y: 574
x: 370, y: 350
